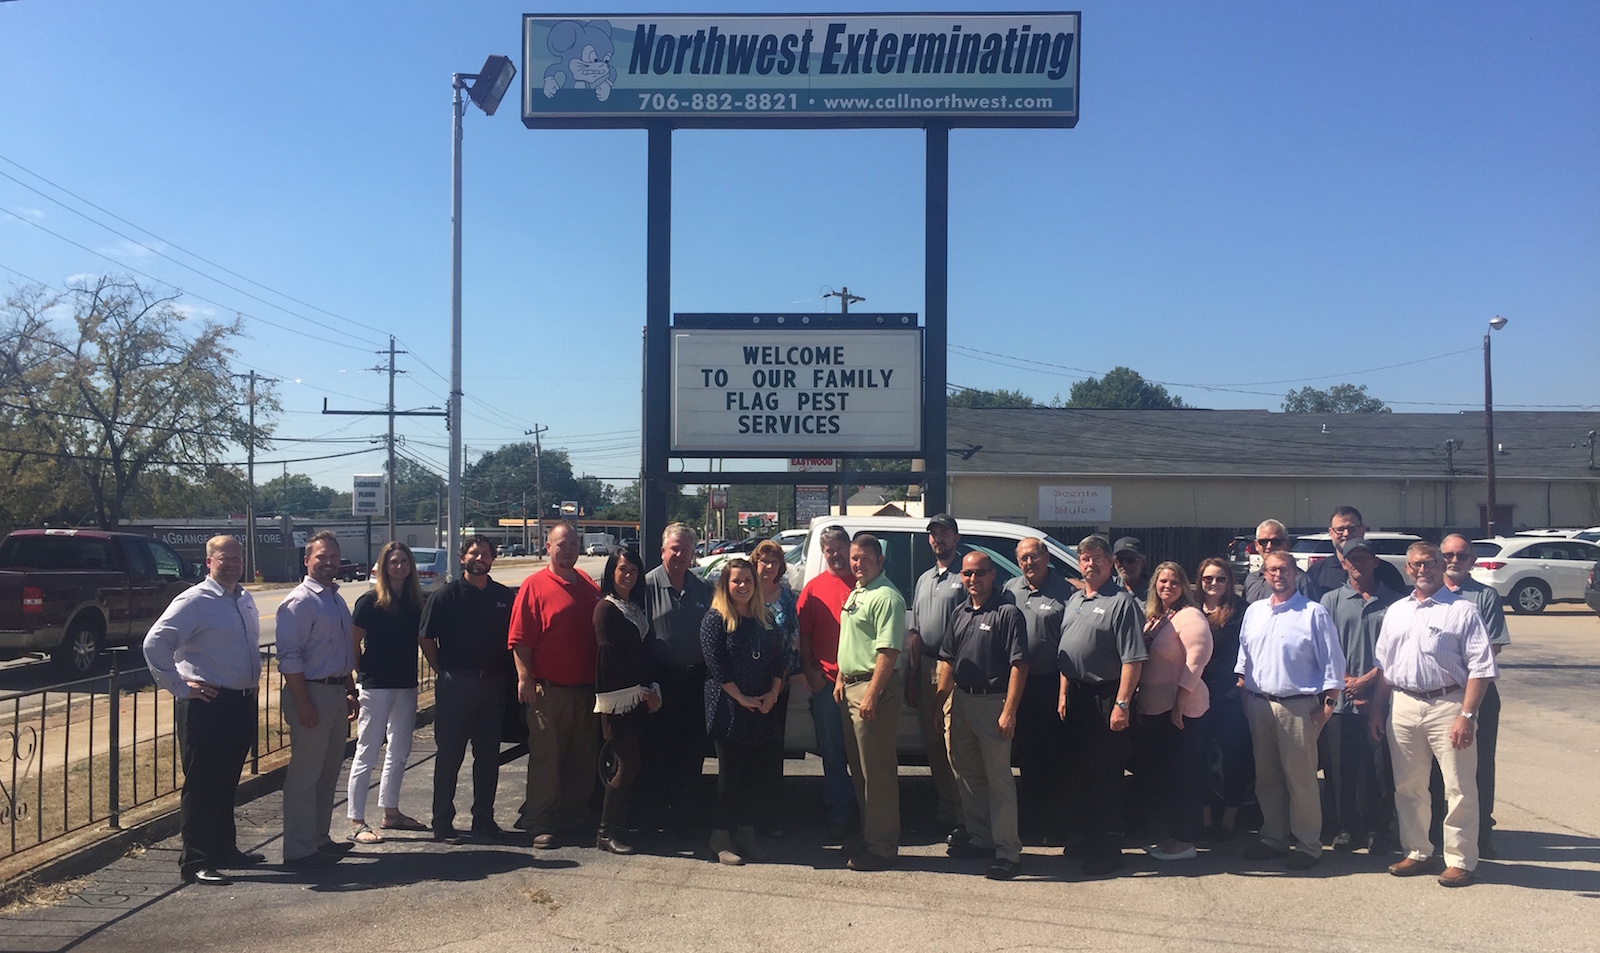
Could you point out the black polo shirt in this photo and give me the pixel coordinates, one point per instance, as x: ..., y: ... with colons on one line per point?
x: 389, y: 648
x: 1328, y: 574
x: 983, y: 643
x: 470, y: 626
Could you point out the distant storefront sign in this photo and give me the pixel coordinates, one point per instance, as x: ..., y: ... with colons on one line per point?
x: 810, y: 502
x: 732, y: 70
x: 1061, y: 505
x: 367, y: 495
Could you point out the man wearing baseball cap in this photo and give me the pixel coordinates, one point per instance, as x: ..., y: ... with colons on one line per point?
x: 1128, y: 554
x: 939, y: 593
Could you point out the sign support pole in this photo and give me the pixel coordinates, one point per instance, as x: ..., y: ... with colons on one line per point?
x: 936, y: 301
x: 657, y: 343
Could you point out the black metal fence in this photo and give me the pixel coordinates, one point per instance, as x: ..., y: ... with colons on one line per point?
x: 79, y: 754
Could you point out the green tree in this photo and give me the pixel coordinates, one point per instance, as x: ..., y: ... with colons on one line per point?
x: 1121, y: 389
x: 296, y: 494
x: 416, y: 493
x: 217, y: 491
x: 125, y: 393
x: 1338, y: 399
x: 681, y: 507
x: 495, y: 483
x: 972, y: 397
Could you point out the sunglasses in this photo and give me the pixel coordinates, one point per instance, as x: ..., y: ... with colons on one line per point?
x: 1270, y: 540
x: 1213, y: 580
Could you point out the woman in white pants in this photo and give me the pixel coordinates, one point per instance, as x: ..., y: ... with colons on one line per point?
x: 385, y: 623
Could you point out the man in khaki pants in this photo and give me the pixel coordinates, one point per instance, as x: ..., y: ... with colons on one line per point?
x: 939, y: 593
x: 983, y: 669
x: 872, y: 628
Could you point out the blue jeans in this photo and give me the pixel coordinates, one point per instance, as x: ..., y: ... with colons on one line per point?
x: 838, y: 796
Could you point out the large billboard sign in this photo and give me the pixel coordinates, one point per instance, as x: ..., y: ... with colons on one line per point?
x: 746, y: 70
x: 775, y: 392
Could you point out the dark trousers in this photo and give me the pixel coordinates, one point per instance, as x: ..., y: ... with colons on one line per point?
x: 1230, y: 759
x: 674, y: 748
x: 213, y: 739
x: 614, y: 809
x: 772, y: 807
x: 1174, y: 760
x: 1358, y: 775
x: 1097, y: 758
x: 1039, y: 750
x: 742, y: 776
x: 467, y: 708
x: 1485, y: 739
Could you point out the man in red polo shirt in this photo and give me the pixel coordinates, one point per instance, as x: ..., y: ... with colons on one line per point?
x: 552, y: 638
x: 818, y: 608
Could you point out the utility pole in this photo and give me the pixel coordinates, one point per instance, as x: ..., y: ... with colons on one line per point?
x: 846, y: 299
x: 538, y: 485
x: 250, y: 476
x: 391, y: 413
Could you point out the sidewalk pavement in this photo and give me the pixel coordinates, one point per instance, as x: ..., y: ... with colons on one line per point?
x: 410, y: 894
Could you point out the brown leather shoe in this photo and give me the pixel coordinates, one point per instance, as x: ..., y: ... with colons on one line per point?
x: 1455, y: 877
x: 1410, y: 867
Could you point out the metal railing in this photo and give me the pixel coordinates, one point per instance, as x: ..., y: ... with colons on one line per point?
x: 81, y: 753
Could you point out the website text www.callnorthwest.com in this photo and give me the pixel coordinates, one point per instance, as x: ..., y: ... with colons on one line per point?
x: 685, y: 101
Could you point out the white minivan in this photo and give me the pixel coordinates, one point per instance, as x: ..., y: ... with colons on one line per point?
x: 906, y: 556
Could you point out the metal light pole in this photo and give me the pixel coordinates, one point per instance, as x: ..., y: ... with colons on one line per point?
x: 1495, y: 324
x: 488, y: 86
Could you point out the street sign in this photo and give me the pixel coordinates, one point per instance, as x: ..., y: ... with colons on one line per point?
x: 367, y: 497
x: 719, y: 499
x: 756, y: 520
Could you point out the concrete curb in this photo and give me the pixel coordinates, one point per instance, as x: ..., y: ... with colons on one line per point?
x: 83, y: 860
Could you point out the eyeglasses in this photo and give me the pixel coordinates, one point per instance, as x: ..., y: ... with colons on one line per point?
x: 1423, y: 564
x: 1213, y: 580
x: 1270, y: 540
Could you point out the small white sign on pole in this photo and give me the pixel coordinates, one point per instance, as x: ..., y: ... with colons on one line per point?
x: 1062, y: 505
x: 367, y: 497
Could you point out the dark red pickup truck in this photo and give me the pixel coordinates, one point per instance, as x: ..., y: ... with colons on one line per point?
x: 69, y: 593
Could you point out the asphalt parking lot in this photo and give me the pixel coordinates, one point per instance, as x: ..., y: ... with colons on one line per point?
x: 410, y: 894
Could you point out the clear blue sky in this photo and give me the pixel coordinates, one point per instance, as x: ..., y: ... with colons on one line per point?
x: 1258, y: 196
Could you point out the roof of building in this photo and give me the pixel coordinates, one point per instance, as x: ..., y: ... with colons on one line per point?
x: 1545, y: 445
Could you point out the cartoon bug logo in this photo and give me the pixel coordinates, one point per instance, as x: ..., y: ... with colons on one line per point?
x: 583, y: 58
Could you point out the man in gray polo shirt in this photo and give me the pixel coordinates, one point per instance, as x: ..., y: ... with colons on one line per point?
x: 1041, y: 595
x: 1101, y: 654
x: 939, y: 594
x: 675, y: 739
x: 1360, y: 782
x: 1458, y: 559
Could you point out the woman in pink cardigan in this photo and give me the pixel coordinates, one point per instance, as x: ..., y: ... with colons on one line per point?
x: 1171, y: 696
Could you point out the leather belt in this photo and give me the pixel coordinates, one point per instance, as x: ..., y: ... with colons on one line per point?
x: 853, y: 679
x: 1430, y: 696
x: 1280, y: 699
x: 242, y: 692
x: 473, y: 672
x: 984, y: 690
x: 340, y: 680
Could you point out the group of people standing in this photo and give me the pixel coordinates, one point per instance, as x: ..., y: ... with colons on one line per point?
x: 628, y: 681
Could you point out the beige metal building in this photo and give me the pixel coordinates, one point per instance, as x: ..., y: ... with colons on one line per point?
x: 1229, y: 469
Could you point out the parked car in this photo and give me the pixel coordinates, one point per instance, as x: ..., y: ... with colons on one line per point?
x: 907, y: 556
x: 598, y: 544
x: 351, y: 571
x: 513, y: 549
x: 1389, y: 547
x: 1530, y: 572
x: 1243, y: 558
x: 70, y: 593
x: 1591, y: 592
x: 433, y: 566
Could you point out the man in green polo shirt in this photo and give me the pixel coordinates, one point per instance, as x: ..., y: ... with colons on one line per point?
x: 872, y: 630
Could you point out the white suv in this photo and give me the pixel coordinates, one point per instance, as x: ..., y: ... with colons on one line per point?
x: 1389, y: 547
x: 1531, y: 572
x: 906, y: 556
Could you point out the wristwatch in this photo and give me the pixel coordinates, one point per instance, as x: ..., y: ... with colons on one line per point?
x: 1121, y: 704
x: 1471, y: 716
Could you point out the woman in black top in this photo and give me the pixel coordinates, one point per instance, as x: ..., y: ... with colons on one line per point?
x: 1227, y: 734
x: 384, y: 625
x: 624, y: 689
x: 744, y: 676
